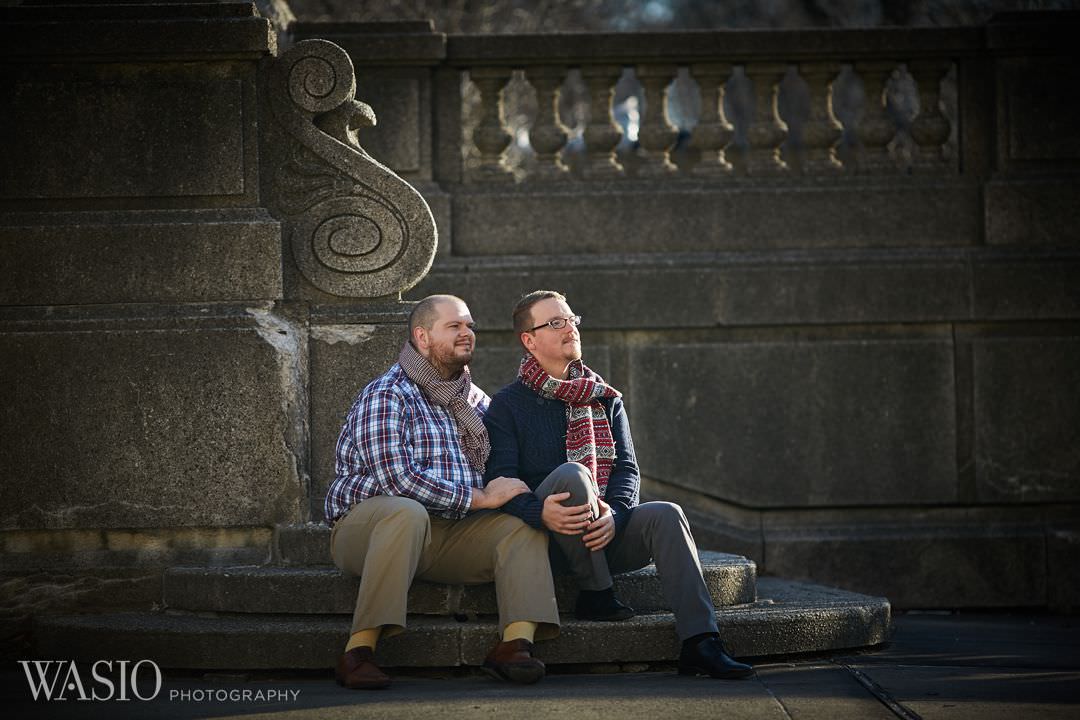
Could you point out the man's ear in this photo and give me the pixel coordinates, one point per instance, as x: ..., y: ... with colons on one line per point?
x: 527, y: 340
x: 421, y: 339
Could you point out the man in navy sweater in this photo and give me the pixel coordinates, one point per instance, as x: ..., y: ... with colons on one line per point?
x: 563, y: 431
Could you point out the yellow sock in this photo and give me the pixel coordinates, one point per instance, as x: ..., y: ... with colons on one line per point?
x: 364, y: 638
x: 522, y: 629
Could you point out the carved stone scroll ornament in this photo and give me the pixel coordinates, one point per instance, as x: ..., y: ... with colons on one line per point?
x: 356, y: 228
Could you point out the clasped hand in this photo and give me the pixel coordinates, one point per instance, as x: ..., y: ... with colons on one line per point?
x: 578, y: 520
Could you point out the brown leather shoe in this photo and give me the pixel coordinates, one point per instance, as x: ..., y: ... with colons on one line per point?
x: 512, y: 660
x: 357, y: 670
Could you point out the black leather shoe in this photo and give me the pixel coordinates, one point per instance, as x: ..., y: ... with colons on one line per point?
x: 708, y: 657
x: 601, y: 605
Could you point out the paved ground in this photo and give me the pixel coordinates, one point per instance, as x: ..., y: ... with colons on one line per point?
x: 958, y: 666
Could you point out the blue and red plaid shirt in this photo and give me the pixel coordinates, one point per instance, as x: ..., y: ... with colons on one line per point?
x: 396, y: 442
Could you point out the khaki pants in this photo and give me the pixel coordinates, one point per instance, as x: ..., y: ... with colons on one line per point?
x: 389, y: 541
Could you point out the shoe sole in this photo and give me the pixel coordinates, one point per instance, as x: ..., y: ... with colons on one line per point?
x: 730, y: 675
x: 370, y: 685
x: 523, y: 675
x: 363, y: 685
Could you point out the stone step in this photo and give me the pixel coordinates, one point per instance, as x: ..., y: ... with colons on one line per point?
x: 794, y: 618
x: 323, y: 590
x: 306, y: 544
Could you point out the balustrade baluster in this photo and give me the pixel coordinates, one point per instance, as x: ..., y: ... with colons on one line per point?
x: 490, y: 135
x: 767, y: 132
x: 713, y: 131
x: 547, y: 135
x: 876, y: 129
x: 930, y: 128
x: 656, y: 135
x: 822, y: 130
x: 601, y: 133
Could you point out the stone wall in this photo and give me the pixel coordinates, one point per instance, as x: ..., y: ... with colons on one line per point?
x: 145, y: 367
x: 846, y: 332
x: 846, y: 344
x: 200, y: 269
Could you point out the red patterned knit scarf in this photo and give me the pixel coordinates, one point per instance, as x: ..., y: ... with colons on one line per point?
x: 588, y: 432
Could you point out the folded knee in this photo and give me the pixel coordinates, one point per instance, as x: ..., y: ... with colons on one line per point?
x: 408, y: 513
x: 574, y: 478
x: 661, y: 512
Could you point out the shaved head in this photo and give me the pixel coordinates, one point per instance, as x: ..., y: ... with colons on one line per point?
x: 426, y: 311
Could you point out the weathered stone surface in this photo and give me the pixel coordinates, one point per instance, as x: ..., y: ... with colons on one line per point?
x: 302, y: 545
x: 439, y: 203
x: 1027, y: 287
x: 1037, y: 117
x: 190, y: 256
x: 318, y: 590
x: 405, y: 145
x: 614, y: 46
x: 78, y: 552
x: 355, y: 228
x: 589, y: 220
x: 184, y: 423
x: 945, y: 557
x: 86, y: 590
x: 794, y: 422
x: 1027, y: 411
x: 380, y: 43
x: 1032, y: 212
x: 344, y: 358
x: 803, y: 618
x: 710, y: 289
x: 179, y: 130
x: 917, y: 564
x: 167, y: 31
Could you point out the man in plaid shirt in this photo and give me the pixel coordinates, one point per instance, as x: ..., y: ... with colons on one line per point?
x: 408, y: 501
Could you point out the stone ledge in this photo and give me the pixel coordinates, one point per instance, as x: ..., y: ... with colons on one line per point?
x: 802, y: 618
x: 197, y: 256
x: 636, y: 218
x: 915, y: 566
x: 321, y: 590
x: 736, y: 289
x: 183, y: 29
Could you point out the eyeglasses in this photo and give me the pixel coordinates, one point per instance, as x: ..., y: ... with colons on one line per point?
x: 558, y: 323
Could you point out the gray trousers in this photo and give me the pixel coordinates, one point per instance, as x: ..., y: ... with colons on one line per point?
x: 656, y: 532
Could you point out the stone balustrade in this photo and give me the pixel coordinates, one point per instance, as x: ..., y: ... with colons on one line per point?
x: 755, y: 104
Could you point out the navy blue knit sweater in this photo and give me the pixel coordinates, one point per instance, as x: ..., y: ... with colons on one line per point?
x: 528, y: 441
